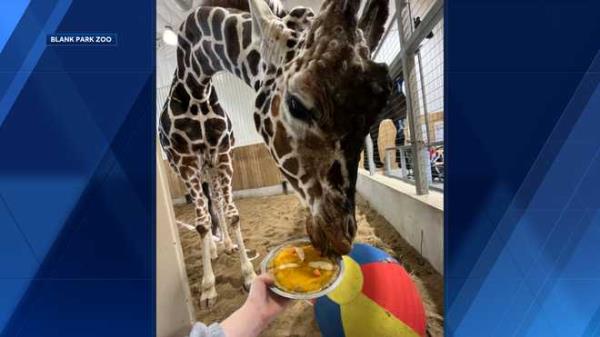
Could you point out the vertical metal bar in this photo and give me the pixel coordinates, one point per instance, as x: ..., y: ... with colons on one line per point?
x: 425, y: 111
x: 403, y: 169
x: 426, y: 117
x: 388, y: 162
x: 421, y: 79
x: 424, y: 96
x: 420, y: 161
x: 369, y: 151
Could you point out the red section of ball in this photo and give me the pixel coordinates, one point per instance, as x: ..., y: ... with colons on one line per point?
x: 391, y: 287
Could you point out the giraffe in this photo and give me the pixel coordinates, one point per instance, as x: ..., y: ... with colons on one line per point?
x: 317, y: 94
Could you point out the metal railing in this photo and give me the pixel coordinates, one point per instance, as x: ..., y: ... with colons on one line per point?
x: 422, y: 161
x: 401, y: 167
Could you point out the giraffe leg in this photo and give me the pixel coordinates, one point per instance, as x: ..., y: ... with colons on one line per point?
x: 214, y: 221
x: 218, y: 200
x: 209, y: 293
x: 233, y: 217
x: 247, y: 268
x: 213, y: 247
x: 203, y: 226
x: 196, y: 194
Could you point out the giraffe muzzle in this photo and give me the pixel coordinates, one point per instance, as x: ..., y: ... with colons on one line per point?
x: 332, y: 237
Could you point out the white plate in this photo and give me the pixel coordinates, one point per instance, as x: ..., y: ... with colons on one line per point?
x: 302, y: 296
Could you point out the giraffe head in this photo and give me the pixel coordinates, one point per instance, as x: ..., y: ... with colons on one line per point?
x: 320, y: 93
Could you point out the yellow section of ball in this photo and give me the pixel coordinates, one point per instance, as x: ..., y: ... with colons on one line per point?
x: 351, y: 285
x: 363, y: 317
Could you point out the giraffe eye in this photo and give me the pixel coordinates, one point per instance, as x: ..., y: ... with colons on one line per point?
x: 298, y: 110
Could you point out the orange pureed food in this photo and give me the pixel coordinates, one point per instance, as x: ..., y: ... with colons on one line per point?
x: 302, y: 269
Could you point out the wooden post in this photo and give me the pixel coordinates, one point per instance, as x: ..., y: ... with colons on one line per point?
x: 174, y: 309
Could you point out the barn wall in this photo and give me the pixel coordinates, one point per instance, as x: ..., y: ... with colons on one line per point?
x: 387, y: 139
x: 176, y: 186
x: 436, y: 126
x: 237, y: 99
x: 253, y: 168
x: 418, y: 218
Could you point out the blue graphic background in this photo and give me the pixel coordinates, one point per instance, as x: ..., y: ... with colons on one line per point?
x: 77, y: 171
x: 523, y: 168
x: 12, y: 11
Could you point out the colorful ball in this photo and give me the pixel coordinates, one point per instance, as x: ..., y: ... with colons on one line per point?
x: 376, y: 297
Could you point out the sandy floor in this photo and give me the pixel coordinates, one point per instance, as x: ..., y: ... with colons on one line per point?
x: 268, y: 221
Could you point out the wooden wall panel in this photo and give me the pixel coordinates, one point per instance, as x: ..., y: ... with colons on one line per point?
x: 176, y: 186
x: 253, y: 167
x: 387, y: 139
x: 433, y: 118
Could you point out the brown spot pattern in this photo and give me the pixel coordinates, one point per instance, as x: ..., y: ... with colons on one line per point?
x: 268, y: 127
x: 214, y: 128
x: 275, y: 104
x: 179, y: 143
x: 282, y: 142
x: 192, y: 128
x: 291, y: 165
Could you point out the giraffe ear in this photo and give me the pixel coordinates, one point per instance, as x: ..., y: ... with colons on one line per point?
x: 261, y: 17
x: 372, y: 21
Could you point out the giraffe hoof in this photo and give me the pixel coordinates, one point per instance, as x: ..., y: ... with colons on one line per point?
x: 247, y: 286
x: 252, y: 254
x: 213, y: 252
x: 231, y: 249
x: 208, y: 299
x: 248, y: 280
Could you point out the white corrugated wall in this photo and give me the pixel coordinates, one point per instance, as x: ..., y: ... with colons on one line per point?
x: 237, y: 99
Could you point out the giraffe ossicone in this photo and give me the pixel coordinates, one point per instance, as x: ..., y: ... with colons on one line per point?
x: 317, y: 94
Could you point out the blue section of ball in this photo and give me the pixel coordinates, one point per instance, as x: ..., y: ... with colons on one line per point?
x: 364, y: 254
x: 329, y: 317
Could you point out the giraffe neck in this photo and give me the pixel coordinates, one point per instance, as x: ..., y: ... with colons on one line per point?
x: 215, y: 39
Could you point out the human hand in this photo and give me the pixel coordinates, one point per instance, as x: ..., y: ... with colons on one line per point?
x: 263, y: 301
x: 260, y: 308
